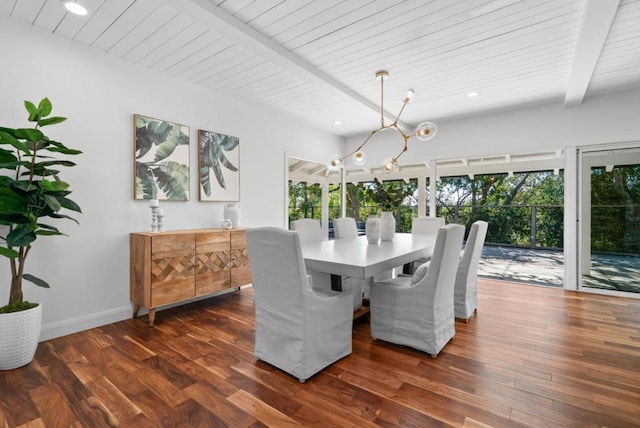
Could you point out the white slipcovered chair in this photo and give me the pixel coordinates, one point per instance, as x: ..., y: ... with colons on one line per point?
x: 345, y: 227
x: 309, y: 228
x: 424, y: 226
x: 299, y: 329
x: 466, y: 286
x: 417, y: 311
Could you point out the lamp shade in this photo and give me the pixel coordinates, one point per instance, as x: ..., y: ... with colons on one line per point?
x: 389, y: 165
x: 426, y: 131
x: 359, y: 158
x: 335, y: 163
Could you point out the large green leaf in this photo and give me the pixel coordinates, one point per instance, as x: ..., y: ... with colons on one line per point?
x: 52, y: 202
x: 145, y: 180
x: 204, y: 180
x: 9, y: 252
x: 29, y: 134
x: 61, y: 148
x: 20, y: 236
x: 228, y: 142
x: 25, y: 186
x: 45, y: 107
x: 51, y: 121
x: 54, y: 186
x: 225, y: 162
x: 169, y: 145
x: 37, y: 281
x: 6, y: 138
x: 69, y: 204
x: 173, y: 179
x: 48, y: 227
x: 56, y: 215
x: 11, y: 203
x: 31, y: 108
x: 7, y: 156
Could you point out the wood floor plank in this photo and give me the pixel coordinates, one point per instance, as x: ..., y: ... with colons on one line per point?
x: 261, y: 411
x: 54, y: 410
x: 218, y: 404
x: 531, y: 356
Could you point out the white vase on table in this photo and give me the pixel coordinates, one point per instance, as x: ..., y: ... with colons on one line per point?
x: 232, y: 212
x: 372, y: 229
x: 387, y: 226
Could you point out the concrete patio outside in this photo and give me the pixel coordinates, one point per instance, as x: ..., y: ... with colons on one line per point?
x: 546, y: 267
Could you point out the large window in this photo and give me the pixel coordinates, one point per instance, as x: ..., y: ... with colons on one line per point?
x: 610, y: 220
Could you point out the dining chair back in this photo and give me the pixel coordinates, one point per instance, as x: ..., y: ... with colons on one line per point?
x: 417, y: 311
x: 423, y: 226
x: 309, y: 229
x: 466, y: 285
x: 299, y: 329
x: 345, y: 227
x: 426, y: 225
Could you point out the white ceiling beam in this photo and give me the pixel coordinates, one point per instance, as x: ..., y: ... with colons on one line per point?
x: 222, y: 22
x: 596, y: 23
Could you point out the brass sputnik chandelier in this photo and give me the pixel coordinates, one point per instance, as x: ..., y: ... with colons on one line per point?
x: 424, y: 131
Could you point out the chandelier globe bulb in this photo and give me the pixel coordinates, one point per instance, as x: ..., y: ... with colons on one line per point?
x: 411, y: 93
x: 389, y: 165
x: 359, y: 158
x: 335, y: 163
x: 426, y: 131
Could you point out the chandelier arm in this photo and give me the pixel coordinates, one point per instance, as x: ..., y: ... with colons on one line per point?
x: 404, y: 149
x: 404, y: 104
x: 361, y: 145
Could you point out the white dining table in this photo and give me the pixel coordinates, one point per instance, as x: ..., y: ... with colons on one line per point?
x: 356, y: 258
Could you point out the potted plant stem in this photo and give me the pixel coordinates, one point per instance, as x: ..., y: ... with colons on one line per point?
x: 30, y: 192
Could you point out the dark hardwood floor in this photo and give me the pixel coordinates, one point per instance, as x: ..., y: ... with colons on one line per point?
x: 532, y: 356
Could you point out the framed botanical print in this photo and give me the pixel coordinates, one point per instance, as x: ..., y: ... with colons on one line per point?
x: 161, y: 159
x: 219, y: 163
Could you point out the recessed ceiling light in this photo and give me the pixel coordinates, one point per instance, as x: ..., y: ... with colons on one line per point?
x: 473, y: 94
x: 337, y: 122
x: 74, y: 7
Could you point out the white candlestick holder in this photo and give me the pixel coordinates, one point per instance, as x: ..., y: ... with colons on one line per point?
x: 154, y: 218
x: 159, y: 222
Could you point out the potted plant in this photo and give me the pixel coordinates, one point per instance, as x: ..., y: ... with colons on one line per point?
x: 30, y: 191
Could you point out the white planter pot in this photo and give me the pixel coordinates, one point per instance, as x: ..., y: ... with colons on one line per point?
x: 19, y: 337
x: 387, y: 226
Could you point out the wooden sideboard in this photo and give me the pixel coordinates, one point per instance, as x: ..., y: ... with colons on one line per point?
x: 171, y: 267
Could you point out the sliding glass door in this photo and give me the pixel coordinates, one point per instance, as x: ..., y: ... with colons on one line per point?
x: 610, y: 220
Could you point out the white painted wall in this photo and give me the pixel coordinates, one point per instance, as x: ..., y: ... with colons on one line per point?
x: 89, y: 270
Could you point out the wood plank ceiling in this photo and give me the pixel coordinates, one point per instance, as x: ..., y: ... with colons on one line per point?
x: 315, y: 61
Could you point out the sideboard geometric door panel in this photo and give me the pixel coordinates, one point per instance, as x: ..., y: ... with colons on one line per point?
x: 212, y: 262
x: 172, y: 267
x: 240, y: 269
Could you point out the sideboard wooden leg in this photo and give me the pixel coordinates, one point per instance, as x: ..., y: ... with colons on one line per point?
x: 136, y: 308
x: 152, y: 317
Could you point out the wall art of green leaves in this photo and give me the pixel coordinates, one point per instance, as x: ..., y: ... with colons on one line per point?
x: 219, y: 160
x: 161, y: 159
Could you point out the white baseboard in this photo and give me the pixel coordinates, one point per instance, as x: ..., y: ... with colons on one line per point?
x: 74, y: 325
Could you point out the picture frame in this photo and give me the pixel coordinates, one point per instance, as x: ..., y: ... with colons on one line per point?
x: 161, y: 159
x: 219, y: 166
